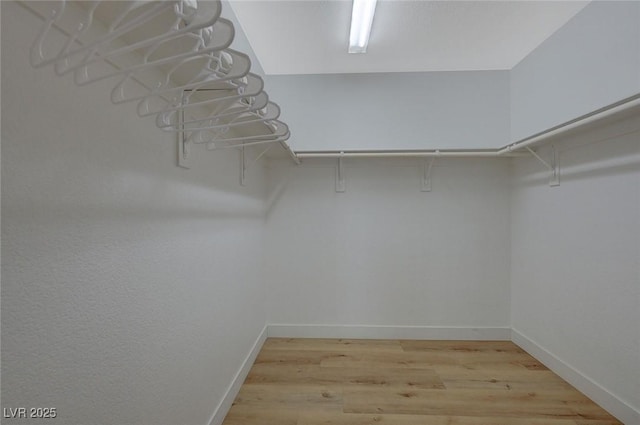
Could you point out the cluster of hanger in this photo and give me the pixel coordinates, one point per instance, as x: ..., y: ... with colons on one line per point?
x: 173, y: 59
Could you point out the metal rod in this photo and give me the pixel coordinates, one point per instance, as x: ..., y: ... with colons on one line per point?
x: 406, y: 154
x: 241, y: 145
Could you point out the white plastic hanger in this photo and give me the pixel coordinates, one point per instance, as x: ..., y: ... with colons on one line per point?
x: 167, y: 116
x: 189, y: 74
x: 272, y: 131
x: 173, y: 58
x: 269, y: 113
x: 244, y: 105
x: 148, y: 22
x: 140, y: 13
x: 167, y: 52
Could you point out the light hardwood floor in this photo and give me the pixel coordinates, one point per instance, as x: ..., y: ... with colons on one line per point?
x: 390, y: 382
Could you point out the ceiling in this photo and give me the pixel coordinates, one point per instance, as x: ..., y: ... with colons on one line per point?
x: 311, y: 37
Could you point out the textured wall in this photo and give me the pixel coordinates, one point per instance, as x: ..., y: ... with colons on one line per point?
x: 575, y: 269
x: 131, y: 289
x: 592, y: 61
x: 385, y: 253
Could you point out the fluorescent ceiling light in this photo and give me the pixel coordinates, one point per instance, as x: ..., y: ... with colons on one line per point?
x: 361, y: 20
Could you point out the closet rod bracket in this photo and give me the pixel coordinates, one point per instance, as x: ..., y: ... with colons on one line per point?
x: 184, y: 145
x: 243, y: 167
x: 553, y: 166
x: 425, y: 185
x: 340, y: 181
x: 184, y: 151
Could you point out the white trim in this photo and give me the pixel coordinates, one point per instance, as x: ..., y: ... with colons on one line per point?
x: 603, y: 397
x: 232, y: 390
x: 389, y: 332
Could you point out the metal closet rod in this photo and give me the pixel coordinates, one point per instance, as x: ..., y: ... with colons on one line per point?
x: 506, y: 151
x: 406, y: 154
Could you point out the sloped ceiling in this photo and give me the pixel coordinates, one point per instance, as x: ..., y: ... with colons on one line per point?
x: 311, y: 37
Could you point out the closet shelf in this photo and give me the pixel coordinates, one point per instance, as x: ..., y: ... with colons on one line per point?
x: 522, y: 147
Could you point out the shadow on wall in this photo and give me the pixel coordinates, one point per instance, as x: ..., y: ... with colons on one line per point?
x: 131, y: 173
x: 184, y: 202
x: 279, y: 177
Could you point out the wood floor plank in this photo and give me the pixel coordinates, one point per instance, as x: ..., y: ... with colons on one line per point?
x: 418, y: 361
x: 490, y: 357
x: 241, y: 414
x: 342, y: 345
x: 359, y: 382
x: 296, y: 357
x: 494, y: 379
x: 338, y: 418
x: 290, y: 396
x: 610, y: 421
x: 316, y: 375
x: 482, y: 403
x: 460, y: 346
x: 376, y: 360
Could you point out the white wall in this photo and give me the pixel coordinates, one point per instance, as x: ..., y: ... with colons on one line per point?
x: 131, y: 288
x: 394, y: 111
x: 240, y: 40
x: 385, y: 253
x: 592, y: 61
x: 575, y: 269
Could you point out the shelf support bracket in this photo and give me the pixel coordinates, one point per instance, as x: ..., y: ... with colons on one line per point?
x: 257, y: 158
x: 243, y: 167
x: 425, y: 185
x: 340, y: 182
x: 553, y: 166
x: 184, y: 144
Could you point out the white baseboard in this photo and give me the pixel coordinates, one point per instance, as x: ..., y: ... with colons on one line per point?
x: 607, y: 400
x: 388, y: 332
x: 232, y: 390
